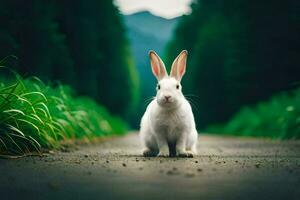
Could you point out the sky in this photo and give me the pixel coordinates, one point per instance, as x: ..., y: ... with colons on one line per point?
x: 164, y: 8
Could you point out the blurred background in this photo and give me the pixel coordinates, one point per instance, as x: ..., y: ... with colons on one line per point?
x: 243, y: 70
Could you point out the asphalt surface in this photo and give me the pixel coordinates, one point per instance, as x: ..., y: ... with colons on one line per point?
x: 225, y: 168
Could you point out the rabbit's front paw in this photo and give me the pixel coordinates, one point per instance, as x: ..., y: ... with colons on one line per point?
x: 186, y: 154
x: 162, y: 154
x: 150, y: 153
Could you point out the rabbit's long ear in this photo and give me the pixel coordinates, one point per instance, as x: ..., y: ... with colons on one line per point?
x: 157, y: 65
x: 179, y: 65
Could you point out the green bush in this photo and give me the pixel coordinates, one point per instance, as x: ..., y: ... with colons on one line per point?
x: 277, y: 118
x: 34, y: 116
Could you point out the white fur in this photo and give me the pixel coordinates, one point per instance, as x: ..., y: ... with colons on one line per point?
x: 168, y: 121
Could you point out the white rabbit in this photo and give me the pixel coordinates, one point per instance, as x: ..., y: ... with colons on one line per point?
x: 169, y: 119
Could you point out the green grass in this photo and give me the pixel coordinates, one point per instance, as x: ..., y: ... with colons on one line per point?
x: 35, y: 116
x: 277, y: 118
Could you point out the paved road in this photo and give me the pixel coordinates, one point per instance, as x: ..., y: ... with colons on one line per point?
x: 226, y: 168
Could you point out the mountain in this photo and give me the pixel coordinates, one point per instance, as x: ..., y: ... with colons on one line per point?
x: 149, y: 24
x: 146, y: 31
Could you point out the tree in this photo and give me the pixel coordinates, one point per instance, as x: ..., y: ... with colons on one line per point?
x: 240, y: 52
x: 31, y: 33
x: 81, y: 43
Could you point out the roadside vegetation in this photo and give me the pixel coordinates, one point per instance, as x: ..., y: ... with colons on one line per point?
x: 277, y: 118
x: 35, y: 116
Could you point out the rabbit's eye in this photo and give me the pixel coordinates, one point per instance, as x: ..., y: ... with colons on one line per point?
x: 158, y: 87
x: 177, y: 86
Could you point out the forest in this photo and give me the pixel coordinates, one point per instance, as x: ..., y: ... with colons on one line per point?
x: 66, y: 60
x: 80, y: 43
x: 240, y: 53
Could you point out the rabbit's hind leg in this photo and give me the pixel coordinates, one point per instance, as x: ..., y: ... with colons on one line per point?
x: 150, y: 152
x: 151, y: 148
x: 191, y: 145
x: 192, y: 149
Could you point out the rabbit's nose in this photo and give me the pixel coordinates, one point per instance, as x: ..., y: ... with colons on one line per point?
x: 167, y: 97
